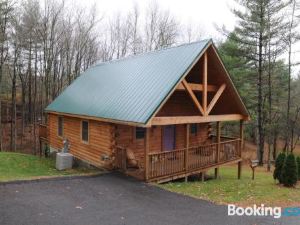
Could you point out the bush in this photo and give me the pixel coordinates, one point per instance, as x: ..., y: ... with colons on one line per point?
x: 47, y: 151
x: 289, y: 174
x: 298, y: 164
x: 278, y: 166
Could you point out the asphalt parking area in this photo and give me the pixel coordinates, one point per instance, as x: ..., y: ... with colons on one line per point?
x: 110, y: 199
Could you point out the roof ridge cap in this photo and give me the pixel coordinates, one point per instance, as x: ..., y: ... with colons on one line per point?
x: 150, y: 52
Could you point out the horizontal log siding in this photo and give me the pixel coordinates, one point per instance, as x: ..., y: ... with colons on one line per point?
x: 203, y: 132
x: 195, y: 139
x: 125, y: 137
x: 101, y: 139
x: 179, y: 104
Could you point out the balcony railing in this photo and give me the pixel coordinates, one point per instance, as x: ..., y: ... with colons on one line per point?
x: 198, y: 157
x: 43, y: 131
x: 120, y: 158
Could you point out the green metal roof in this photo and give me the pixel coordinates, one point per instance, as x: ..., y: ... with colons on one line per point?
x: 129, y: 89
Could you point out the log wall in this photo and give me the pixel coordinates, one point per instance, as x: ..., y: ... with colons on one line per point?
x: 101, y: 139
x: 125, y: 137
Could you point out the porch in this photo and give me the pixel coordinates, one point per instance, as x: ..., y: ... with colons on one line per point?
x: 185, y: 162
x: 162, y: 166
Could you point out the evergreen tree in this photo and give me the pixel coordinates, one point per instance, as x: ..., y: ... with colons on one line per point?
x: 298, y: 166
x: 278, y: 166
x: 289, y: 173
x: 260, y: 33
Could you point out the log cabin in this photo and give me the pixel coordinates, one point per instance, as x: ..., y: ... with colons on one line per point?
x: 150, y: 115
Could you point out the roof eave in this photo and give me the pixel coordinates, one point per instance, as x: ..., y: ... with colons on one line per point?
x: 100, y: 119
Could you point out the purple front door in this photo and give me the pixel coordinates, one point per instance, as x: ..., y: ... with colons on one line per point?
x: 169, y: 138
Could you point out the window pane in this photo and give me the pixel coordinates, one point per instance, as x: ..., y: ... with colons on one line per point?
x: 194, y: 128
x: 85, y: 131
x: 60, y: 126
x: 140, y: 132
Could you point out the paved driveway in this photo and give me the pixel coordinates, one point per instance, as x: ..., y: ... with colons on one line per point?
x: 109, y: 199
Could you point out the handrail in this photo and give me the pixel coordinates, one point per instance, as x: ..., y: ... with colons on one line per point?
x: 119, y: 147
x: 194, y: 146
x: 43, y: 131
x: 202, y: 156
x: 120, y: 158
x: 224, y: 142
x: 166, y: 152
x: 225, y: 137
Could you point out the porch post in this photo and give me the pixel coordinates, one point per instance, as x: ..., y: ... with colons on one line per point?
x: 186, y: 153
x: 204, y: 81
x: 218, y: 135
x: 147, y: 146
x: 241, y: 136
x: 241, y: 148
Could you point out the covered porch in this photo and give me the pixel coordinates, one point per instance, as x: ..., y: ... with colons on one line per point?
x: 198, y: 99
x: 161, y: 165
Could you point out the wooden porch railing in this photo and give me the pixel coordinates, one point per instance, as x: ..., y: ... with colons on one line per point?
x: 173, y: 162
x: 43, y: 131
x: 165, y: 163
x: 202, y: 156
x: 230, y: 150
x: 120, y: 158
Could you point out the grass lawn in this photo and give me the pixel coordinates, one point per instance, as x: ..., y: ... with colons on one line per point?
x: 228, y: 189
x: 16, y: 166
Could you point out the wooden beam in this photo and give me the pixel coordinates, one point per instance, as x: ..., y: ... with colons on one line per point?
x: 241, y: 137
x: 98, y: 119
x: 174, y: 89
x: 204, y: 81
x: 195, y: 119
x: 218, y: 135
x: 196, y: 171
x: 231, y: 85
x: 147, y: 147
x: 217, y: 173
x: 202, y: 175
x: 215, y: 98
x: 193, y: 96
x: 186, y: 153
x: 239, y: 169
x: 197, y: 87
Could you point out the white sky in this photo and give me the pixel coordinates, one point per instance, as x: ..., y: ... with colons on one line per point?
x: 200, y: 13
x: 204, y: 13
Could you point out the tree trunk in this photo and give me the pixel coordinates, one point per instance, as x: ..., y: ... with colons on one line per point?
x: 0, y: 110
x: 260, y: 97
x: 288, y: 125
x: 34, y: 102
x: 13, y: 111
x: 29, y: 86
x: 275, y: 145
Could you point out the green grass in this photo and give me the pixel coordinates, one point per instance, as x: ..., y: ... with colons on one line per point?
x: 16, y: 166
x: 228, y: 189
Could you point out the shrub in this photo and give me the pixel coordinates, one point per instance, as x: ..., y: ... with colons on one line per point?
x: 47, y: 151
x: 278, y: 166
x: 289, y: 173
x: 298, y: 164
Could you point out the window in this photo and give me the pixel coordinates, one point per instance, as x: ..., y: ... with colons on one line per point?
x: 85, y: 131
x: 60, y: 130
x: 194, y: 128
x: 140, y: 133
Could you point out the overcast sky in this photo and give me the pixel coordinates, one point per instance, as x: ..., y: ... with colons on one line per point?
x: 200, y: 13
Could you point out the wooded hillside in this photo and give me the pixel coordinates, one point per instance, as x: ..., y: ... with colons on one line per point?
x: 45, y: 45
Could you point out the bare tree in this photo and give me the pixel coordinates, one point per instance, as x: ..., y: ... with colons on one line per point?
x: 161, y: 28
x: 292, y: 38
x: 6, y: 8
